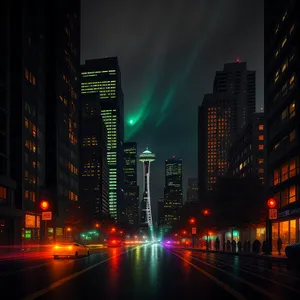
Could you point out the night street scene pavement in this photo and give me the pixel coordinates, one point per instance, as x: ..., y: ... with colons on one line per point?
x: 151, y: 271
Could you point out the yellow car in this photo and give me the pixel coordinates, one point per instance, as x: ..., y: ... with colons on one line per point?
x: 70, y: 249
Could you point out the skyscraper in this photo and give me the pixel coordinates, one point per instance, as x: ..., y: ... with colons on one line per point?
x: 131, y: 190
x: 103, y: 76
x: 192, y: 190
x: 43, y: 93
x: 215, y: 133
x: 282, y: 74
x: 94, y: 174
x: 173, y: 189
x: 146, y: 210
x: 10, y: 211
x: 240, y: 83
x: 62, y: 91
x: 26, y: 95
x: 221, y: 115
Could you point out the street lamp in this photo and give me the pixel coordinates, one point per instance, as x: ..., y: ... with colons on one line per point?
x: 192, y: 222
x: 206, y: 213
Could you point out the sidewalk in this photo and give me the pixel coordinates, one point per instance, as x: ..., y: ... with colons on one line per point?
x: 274, y: 257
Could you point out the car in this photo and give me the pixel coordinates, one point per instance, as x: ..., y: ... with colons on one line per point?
x: 293, y: 251
x: 114, y: 242
x: 70, y: 249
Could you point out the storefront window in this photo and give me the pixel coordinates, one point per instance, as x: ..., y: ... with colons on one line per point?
x: 261, y: 234
x: 293, y: 235
x: 284, y: 233
x: 274, y: 236
x: 29, y: 221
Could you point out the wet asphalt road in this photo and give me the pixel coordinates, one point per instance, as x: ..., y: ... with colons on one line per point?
x: 149, y: 272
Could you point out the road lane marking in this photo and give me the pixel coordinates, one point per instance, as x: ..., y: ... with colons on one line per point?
x: 255, y: 287
x: 212, y: 260
x: 63, y: 262
x: 64, y: 280
x: 246, y: 264
x: 223, y: 285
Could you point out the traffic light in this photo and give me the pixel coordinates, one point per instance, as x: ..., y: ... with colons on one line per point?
x: 272, y: 203
x: 44, y: 205
x: 206, y: 212
x: 192, y: 221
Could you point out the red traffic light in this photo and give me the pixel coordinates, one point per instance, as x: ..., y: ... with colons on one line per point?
x: 192, y: 220
x: 206, y: 212
x: 272, y: 203
x: 44, y: 205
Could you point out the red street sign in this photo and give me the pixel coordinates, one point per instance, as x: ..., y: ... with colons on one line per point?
x: 47, y: 215
x: 272, y: 214
x: 194, y: 230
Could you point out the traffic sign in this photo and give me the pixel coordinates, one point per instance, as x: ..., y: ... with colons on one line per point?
x: 194, y: 230
x: 47, y: 215
x: 272, y: 214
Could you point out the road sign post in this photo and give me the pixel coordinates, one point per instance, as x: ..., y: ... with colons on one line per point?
x: 272, y: 215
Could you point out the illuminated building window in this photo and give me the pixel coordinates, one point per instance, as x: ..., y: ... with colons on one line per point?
x: 276, y: 76
x: 283, y: 42
x: 292, y: 110
x: 33, y: 130
x: 261, y: 137
x: 261, y: 127
x: 284, y: 67
x: 292, y: 28
x: 3, y: 193
x: 260, y: 160
x: 292, y: 135
x: 26, y: 175
x: 284, y: 16
x: 260, y: 147
x: 292, y: 79
x: 26, y: 123
x: 26, y: 194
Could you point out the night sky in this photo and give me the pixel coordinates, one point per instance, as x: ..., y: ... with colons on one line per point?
x: 169, y: 52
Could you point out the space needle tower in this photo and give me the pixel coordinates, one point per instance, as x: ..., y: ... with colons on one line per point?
x: 146, y: 215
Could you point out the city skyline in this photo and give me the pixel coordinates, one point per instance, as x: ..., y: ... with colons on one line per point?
x: 156, y: 89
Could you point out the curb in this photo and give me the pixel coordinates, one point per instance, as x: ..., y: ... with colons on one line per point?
x: 263, y: 257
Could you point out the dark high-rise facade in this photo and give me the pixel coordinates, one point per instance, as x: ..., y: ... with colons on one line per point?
x: 246, y: 156
x: 282, y: 73
x: 103, y: 76
x: 221, y: 115
x: 93, y: 160
x: 42, y: 44
x: 62, y: 92
x: 131, y: 190
x: 26, y: 97
x: 10, y: 208
x: 192, y: 190
x: 173, y: 190
x: 240, y: 83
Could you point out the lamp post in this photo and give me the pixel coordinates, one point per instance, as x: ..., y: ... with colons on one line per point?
x: 192, y: 222
x: 206, y: 213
